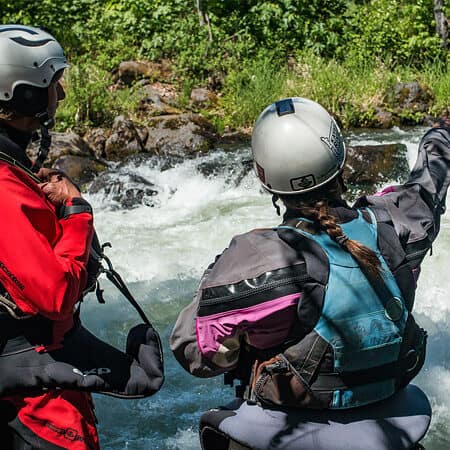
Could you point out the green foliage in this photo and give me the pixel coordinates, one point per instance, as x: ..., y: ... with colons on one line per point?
x: 249, y: 89
x: 90, y: 100
x: 438, y: 76
x: 352, y: 90
x: 343, y: 53
x: 398, y: 31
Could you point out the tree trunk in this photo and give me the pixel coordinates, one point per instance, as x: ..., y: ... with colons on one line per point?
x: 204, y: 18
x: 441, y: 22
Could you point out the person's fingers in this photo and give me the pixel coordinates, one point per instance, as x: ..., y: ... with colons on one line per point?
x: 54, y: 177
x: 45, y: 174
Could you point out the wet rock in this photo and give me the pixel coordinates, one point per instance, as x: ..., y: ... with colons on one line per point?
x: 414, y: 97
x: 234, y: 170
x: 383, y: 119
x: 370, y: 166
x: 127, y: 190
x: 233, y: 138
x: 202, y: 97
x: 96, y: 139
x: 180, y: 135
x: 159, y: 162
x: 125, y: 139
x: 62, y: 144
x: 80, y: 168
x: 129, y: 72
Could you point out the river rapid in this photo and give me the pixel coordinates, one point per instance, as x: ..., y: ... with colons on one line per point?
x: 162, y: 251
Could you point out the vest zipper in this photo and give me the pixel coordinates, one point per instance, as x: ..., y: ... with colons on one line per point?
x: 266, y: 287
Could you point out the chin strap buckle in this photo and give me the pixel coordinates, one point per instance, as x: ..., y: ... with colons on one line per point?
x: 46, y: 123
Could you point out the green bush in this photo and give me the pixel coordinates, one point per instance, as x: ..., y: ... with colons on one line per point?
x: 250, y: 88
x: 396, y: 31
x: 91, y: 99
x: 342, y: 53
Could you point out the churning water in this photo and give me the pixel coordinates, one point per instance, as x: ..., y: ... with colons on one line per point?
x: 162, y: 251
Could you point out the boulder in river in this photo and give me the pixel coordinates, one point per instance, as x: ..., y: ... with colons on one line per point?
x: 180, y: 135
x: 128, y: 190
x: 96, y: 139
x: 126, y: 138
x: 383, y: 119
x: 370, y: 166
x: 81, y: 169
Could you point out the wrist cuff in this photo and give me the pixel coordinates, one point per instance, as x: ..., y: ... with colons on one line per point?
x: 75, y: 205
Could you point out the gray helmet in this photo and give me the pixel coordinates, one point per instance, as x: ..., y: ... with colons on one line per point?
x: 297, y: 146
x: 29, y: 60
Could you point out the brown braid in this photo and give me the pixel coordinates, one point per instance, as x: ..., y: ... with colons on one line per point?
x: 319, y: 214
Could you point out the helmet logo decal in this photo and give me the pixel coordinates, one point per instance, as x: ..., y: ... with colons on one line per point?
x: 301, y: 183
x: 335, y: 143
x: 260, y: 172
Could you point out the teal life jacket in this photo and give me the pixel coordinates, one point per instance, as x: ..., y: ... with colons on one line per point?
x: 364, y: 325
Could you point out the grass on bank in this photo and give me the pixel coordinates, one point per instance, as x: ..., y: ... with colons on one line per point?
x: 352, y: 91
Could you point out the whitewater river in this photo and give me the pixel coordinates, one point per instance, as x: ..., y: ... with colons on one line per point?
x: 162, y: 251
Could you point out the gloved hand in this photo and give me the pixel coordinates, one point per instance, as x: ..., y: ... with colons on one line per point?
x: 57, y: 187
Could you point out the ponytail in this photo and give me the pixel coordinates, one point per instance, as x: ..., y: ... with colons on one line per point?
x: 320, y: 216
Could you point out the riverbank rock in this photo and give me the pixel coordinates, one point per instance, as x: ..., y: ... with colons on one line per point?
x: 158, y: 99
x: 412, y: 96
x: 127, y: 190
x: 80, y: 168
x: 368, y: 167
x: 62, y: 144
x: 128, y: 72
x: 180, y: 135
x: 126, y: 138
x: 201, y: 97
x: 383, y: 119
x: 96, y: 139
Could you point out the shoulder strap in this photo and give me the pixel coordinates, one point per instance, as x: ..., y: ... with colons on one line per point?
x: 389, y: 301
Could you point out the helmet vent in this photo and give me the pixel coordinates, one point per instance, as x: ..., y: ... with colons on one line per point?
x: 285, y: 106
x: 22, y: 41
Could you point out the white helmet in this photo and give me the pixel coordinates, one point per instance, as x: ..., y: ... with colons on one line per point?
x: 29, y: 60
x: 297, y: 146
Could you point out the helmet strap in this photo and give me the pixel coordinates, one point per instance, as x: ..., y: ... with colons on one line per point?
x: 275, y: 198
x: 46, y: 123
x: 342, y: 183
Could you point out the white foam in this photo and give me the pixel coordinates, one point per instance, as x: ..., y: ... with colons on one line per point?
x: 184, y: 440
x: 196, y: 219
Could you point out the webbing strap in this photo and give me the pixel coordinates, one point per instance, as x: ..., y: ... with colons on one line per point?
x: 378, y: 284
x: 68, y: 210
x: 392, y: 370
x: 12, y: 309
x: 310, y: 365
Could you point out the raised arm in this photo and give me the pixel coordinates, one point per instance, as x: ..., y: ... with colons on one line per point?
x: 415, y: 207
